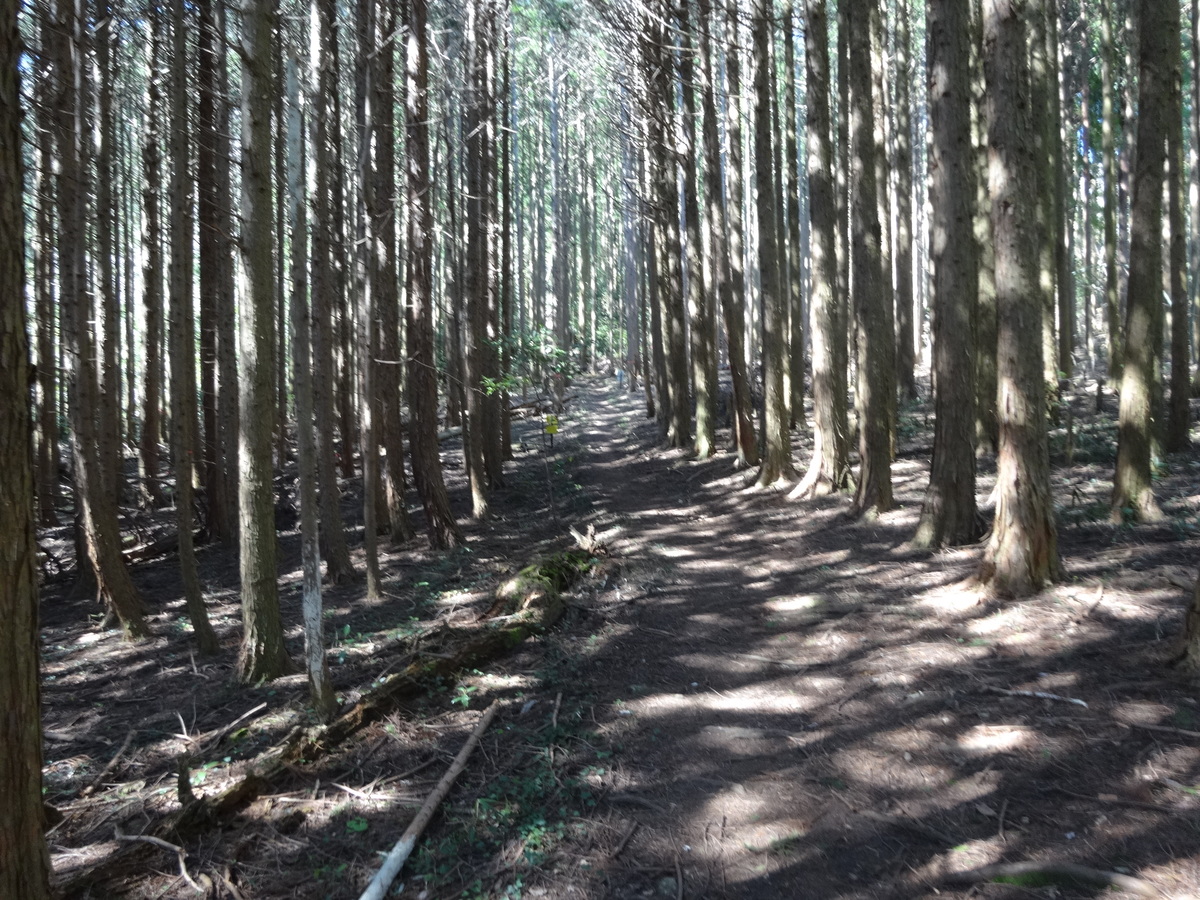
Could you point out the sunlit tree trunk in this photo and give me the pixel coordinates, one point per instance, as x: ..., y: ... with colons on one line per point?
x: 262, y: 655
x: 875, y: 343
x: 987, y: 436
x: 1022, y: 553
x: 1178, y: 414
x: 903, y: 249
x: 24, y: 860
x: 703, y: 333
x: 1133, y: 492
x: 45, y: 291
x: 795, y: 272
x: 948, y: 515
x: 300, y: 178
x: 777, y: 452
x: 733, y: 300
x: 152, y: 273
x: 829, y: 470
x: 1108, y: 140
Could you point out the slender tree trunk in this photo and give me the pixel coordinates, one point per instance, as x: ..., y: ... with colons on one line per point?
x: 829, y: 470
x: 1178, y: 421
x: 48, y: 491
x: 948, y: 515
x: 1133, y: 492
x: 182, y: 337
x: 1043, y: 91
x: 777, y: 456
x: 1022, y: 554
x: 703, y: 327
x: 875, y: 343
x: 881, y: 101
x: 152, y: 278
x: 1062, y: 133
x: 212, y: 244
x: 24, y: 859
x: 226, y: 313
x: 300, y: 181
x: 262, y: 655
x: 1194, y: 193
x: 795, y: 276
x: 903, y: 250
x: 734, y: 305
x: 987, y: 425
x: 422, y: 378
x: 1112, y: 303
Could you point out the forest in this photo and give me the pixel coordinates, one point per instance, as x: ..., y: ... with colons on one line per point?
x: 628, y: 448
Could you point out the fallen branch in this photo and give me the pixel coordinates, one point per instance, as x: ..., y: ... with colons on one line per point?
x: 1030, y: 874
x: 112, y: 763
x: 178, y: 851
x: 1038, y: 695
x: 400, y: 852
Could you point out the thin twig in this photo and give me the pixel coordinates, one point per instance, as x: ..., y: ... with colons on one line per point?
x: 678, y: 879
x: 1060, y: 872
x: 1163, y: 729
x: 633, y: 826
x: 554, y: 715
x: 167, y: 845
x: 1003, y: 812
x: 1039, y: 695
x: 91, y: 788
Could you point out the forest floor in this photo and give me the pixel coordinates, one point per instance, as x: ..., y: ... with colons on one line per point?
x: 750, y: 697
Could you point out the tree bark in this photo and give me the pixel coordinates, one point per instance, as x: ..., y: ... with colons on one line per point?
x: 829, y: 470
x: 300, y: 179
x: 795, y: 276
x: 422, y: 377
x: 948, y: 515
x: 182, y: 336
x: 1178, y: 414
x: 262, y: 655
x: 1133, y: 492
x: 875, y: 343
x: 733, y: 301
x: 326, y: 285
x: 777, y: 451
x: 152, y: 275
x: 1022, y: 554
x: 1108, y: 139
x: 24, y: 859
x: 903, y: 251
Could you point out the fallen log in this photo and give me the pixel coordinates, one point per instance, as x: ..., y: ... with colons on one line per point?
x: 527, y: 605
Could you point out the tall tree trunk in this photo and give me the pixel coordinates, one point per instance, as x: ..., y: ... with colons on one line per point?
x: 881, y: 102
x: 320, y: 687
x: 733, y: 301
x: 1108, y: 139
x: 152, y: 277
x: 903, y: 249
x: 93, y: 496
x: 1133, y: 492
x: 1022, y: 554
x: 795, y: 276
x: 182, y: 337
x: 262, y: 655
x: 212, y: 244
x: 948, y: 515
x: 325, y: 288
x: 1178, y: 415
x: 875, y: 343
x: 372, y: 274
x: 777, y: 452
x: 829, y: 470
x: 24, y: 859
x: 703, y: 327
x: 1194, y: 192
x: 987, y: 425
x: 422, y: 378
x: 1043, y: 90
x: 1062, y: 134
x: 477, y: 275
x: 48, y: 491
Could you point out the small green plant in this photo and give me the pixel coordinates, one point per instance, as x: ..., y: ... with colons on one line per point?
x: 357, y: 825
x: 462, y: 695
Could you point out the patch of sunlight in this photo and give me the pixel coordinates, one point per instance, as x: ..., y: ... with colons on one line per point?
x: 1003, y: 620
x: 1141, y: 712
x: 906, y: 740
x: 92, y: 637
x: 746, y: 700
x: 950, y: 598
x: 885, y: 770
x: 986, y: 739
x: 800, y: 602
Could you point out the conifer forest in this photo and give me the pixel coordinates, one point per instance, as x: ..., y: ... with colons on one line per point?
x: 578, y: 449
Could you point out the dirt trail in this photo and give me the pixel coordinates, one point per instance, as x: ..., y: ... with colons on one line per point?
x: 803, y: 708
